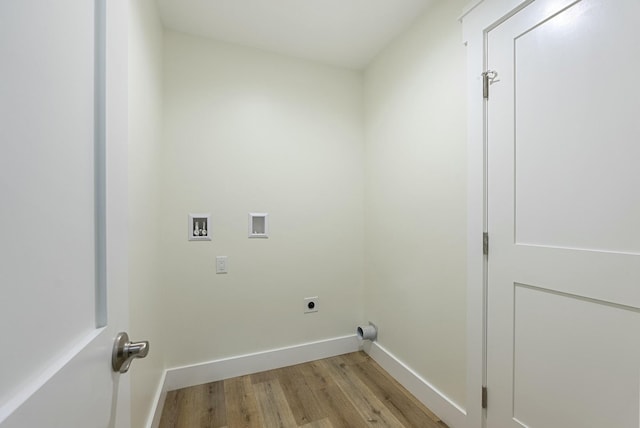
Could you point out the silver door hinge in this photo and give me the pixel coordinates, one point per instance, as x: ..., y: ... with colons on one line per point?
x: 485, y: 243
x: 484, y: 397
x: 488, y: 77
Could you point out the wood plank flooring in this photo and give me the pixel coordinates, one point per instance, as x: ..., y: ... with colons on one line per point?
x: 347, y: 391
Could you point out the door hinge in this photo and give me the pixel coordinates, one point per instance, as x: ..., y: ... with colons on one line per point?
x: 484, y: 397
x: 488, y: 77
x: 485, y: 243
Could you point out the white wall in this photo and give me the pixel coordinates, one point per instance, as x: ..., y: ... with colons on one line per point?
x: 145, y: 113
x: 416, y: 198
x: 248, y: 131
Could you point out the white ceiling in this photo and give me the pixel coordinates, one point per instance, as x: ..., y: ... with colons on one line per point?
x: 347, y: 33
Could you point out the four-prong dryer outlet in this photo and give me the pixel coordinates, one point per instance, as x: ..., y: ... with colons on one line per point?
x: 311, y: 304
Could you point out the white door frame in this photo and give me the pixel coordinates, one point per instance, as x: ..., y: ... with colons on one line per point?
x: 478, y: 19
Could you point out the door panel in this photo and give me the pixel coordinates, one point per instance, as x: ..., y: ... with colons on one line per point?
x: 568, y: 367
x: 574, y: 130
x: 563, y: 343
x: 47, y: 220
x: 55, y: 366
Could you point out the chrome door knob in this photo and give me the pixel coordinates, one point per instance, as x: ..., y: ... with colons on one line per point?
x: 125, y: 351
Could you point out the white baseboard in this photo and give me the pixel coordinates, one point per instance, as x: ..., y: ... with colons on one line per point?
x: 182, y: 377
x: 447, y: 410
x: 212, y: 371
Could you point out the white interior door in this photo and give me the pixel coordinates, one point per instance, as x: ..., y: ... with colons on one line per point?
x: 563, y: 335
x: 63, y: 212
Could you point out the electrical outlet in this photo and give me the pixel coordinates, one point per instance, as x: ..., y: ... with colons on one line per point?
x: 221, y: 264
x: 311, y: 304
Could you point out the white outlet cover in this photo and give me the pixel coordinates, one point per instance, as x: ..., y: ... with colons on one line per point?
x: 311, y: 301
x: 221, y: 264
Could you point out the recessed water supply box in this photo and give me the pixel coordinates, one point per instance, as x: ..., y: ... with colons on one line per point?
x: 199, y: 227
x: 258, y: 225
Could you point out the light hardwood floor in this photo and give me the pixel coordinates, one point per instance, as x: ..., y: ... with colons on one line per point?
x: 347, y: 391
